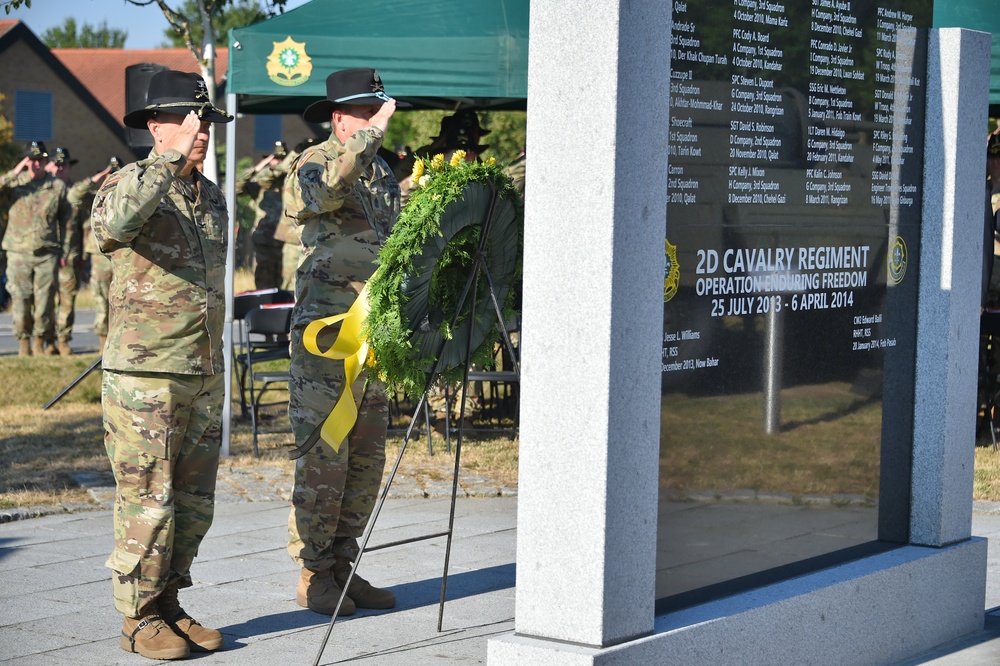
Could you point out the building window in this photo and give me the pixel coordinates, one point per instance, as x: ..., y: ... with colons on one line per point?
x: 32, y: 115
x: 266, y: 130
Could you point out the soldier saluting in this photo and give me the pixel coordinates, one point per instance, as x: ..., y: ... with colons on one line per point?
x: 37, y: 218
x: 164, y: 226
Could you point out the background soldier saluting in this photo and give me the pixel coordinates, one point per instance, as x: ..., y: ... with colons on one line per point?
x: 71, y: 262
x: 37, y: 217
x: 262, y: 183
x: 81, y: 196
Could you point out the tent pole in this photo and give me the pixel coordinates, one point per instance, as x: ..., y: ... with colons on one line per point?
x: 227, y: 330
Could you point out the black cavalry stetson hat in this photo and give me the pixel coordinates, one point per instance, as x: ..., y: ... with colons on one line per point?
x: 349, y: 86
x: 462, y: 130
x: 36, y: 151
x: 63, y: 157
x: 178, y: 93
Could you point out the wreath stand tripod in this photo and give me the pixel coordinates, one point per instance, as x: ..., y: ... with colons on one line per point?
x: 479, y: 269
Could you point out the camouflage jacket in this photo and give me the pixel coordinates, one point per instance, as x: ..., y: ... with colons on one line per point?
x: 516, y: 172
x: 81, y: 197
x: 38, y: 213
x: 264, y: 187
x: 345, y: 200
x: 167, y: 245
x: 287, y: 230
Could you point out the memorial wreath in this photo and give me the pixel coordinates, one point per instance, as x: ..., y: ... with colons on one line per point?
x: 425, y: 266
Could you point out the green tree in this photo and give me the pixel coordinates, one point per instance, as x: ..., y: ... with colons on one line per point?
x: 237, y: 14
x: 67, y: 36
x: 14, y: 4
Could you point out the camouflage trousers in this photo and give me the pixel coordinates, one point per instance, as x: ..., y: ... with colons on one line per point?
x: 291, y: 255
x: 439, y: 400
x: 335, y: 492
x: 69, y: 284
x: 162, y: 433
x: 267, y: 273
x: 100, y: 287
x: 31, y: 281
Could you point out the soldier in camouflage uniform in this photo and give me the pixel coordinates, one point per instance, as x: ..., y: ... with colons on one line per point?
x: 37, y: 217
x: 345, y: 200
x: 516, y: 171
x: 164, y: 226
x: 81, y: 196
x: 287, y: 231
x: 263, y: 184
x: 71, y: 263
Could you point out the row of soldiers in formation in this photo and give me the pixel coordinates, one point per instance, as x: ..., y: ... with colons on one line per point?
x: 47, y: 241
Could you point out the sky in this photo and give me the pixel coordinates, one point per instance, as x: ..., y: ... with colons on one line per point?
x: 146, y: 26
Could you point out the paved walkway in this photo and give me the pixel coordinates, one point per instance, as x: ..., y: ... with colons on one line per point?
x: 56, y: 607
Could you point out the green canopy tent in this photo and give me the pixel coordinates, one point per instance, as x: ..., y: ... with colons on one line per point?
x: 432, y: 53
x: 983, y: 15
x: 435, y: 54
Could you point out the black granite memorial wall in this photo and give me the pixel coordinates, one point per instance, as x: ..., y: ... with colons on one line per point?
x: 789, y: 315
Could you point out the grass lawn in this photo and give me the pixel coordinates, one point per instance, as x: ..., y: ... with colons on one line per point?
x: 40, y: 450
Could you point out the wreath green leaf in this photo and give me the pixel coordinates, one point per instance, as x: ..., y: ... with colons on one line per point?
x: 425, y: 265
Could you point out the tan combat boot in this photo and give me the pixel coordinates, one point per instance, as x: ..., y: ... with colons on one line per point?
x: 64, y: 348
x: 38, y: 349
x: 151, y: 637
x: 363, y: 593
x: 199, y: 638
x: 319, y: 593
x: 24, y: 347
x: 51, y: 349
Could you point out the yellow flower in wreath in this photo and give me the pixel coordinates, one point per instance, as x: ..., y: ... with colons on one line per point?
x: 418, y: 171
x: 437, y: 162
x: 457, y: 158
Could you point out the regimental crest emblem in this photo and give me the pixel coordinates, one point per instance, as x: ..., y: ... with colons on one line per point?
x: 377, y: 82
x: 897, y: 260
x: 671, y: 273
x: 288, y: 64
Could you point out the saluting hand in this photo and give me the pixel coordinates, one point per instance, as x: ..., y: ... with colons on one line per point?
x: 184, y: 138
x: 381, y: 117
x: 101, y: 175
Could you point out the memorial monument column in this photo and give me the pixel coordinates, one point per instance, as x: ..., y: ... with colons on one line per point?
x: 593, y: 265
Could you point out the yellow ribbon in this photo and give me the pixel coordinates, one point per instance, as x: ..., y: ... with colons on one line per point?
x: 351, y: 346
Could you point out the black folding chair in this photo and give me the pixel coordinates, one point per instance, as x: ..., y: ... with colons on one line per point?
x: 267, y: 340
x: 243, y: 303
